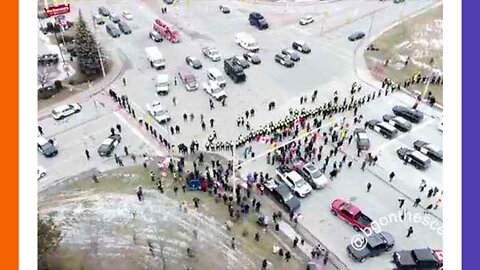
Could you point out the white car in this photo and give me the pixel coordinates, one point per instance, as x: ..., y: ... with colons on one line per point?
x: 41, y: 172
x: 127, y: 15
x: 213, y: 89
x: 66, y: 110
x: 314, y: 176
x: 306, y: 20
x: 158, y: 113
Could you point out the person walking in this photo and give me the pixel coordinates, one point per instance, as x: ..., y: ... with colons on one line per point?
x: 364, y: 163
x: 119, y: 128
x: 174, y: 100
x: 112, y: 131
x: 211, y: 122
x: 125, y: 149
x: 295, y: 242
x: 369, y: 186
x: 233, y: 243
x: 124, y: 81
x: 87, y: 154
x: 409, y: 231
x: 401, y: 201
x: 417, y: 202
x: 264, y: 264
x: 325, y: 258
x: 40, y: 130
x: 392, y: 174
x: 288, y: 256
x: 175, y: 80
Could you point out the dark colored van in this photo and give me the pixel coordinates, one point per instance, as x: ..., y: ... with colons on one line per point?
x: 412, y: 115
x: 257, y: 20
x: 417, y: 159
x: 112, y: 29
x: 124, y: 27
x: 384, y: 128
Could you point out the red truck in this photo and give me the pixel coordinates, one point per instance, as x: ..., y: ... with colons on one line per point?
x: 351, y: 214
x: 166, y: 31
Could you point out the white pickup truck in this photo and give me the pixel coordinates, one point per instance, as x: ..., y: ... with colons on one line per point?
x: 155, y: 57
x: 294, y: 181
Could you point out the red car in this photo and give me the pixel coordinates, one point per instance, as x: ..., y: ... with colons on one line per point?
x: 351, y: 214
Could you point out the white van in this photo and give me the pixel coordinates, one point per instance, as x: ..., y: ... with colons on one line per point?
x: 162, y: 84
x: 247, y: 42
x: 155, y: 57
x: 215, y: 75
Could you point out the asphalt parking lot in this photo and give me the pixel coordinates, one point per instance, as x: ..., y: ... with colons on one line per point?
x: 328, y: 68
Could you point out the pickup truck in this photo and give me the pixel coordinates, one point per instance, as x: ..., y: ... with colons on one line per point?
x: 351, y: 214
x: 294, y: 181
x: 211, y: 53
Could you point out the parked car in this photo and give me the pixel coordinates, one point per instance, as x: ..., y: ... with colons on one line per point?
x: 211, y: 53
x: 241, y: 62
x: 425, y: 258
x: 214, y: 90
x: 361, y: 137
x: 158, y: 113
x: 124, y: 27
x: 383, y: 128
x: 98, y: 19
x: 224, y: 9
x: 168, y: 2
x: 398, y: 122
x: 301, y: 46
x: 416, y: 158
x: 48, y: 148
x: 114, y: 18
x: 127, y: 15
x: 213, y: 74
x: 64, y: 111
x: 193, y: 62
x: 155, y: 36
x: 188, y: 79
x: 351, y: 214
x: 377, y: 244
x: 41, y: 172
x: 103, y: 11
x: 306, y: 20
x: 112, y: 30
x: 408, y: 113
x: 284, y: 196
x: 252, y: 58
x: 294, y: 181
x: 428, y: 149
x: 312, y: 175
x: 356, y: 36
x: 108, y: 145
x: 290, y: 53
x: 283, y: 60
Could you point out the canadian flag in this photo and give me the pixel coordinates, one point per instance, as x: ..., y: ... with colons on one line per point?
x: 263, y: 139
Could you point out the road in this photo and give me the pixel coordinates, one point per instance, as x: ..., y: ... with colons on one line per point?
x: 329, y: 67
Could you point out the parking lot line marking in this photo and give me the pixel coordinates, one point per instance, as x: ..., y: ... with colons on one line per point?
x: 137, y: 133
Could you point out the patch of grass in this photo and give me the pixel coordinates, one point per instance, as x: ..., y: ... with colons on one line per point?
x: 421, y: 39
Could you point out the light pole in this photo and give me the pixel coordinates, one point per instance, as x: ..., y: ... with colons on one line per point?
x: 98, y: 48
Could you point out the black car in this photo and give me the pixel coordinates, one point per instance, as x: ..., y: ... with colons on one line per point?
x: 356, y: 36
x: 425, y: 258
x: 108, y: 145
x: 417, y: 159
x: 285, y: 197
x: 398, y: 122
x: 241, y: 62
x: 193, y: 62
x: 124, y: 27
x: 168, y: 2
x: 283, y: 60
x: 385, y: 129
x: 252, y: 58
x: 363, y: 142
x: 103, y: 11
x: 432, y: 151
x: 408, y: 113
x: 292, y: 54
x: 301, y: 46
x: 376, y: 244
x: 224, y: 9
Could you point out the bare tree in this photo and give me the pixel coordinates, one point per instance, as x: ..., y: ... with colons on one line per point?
x: 43, y: 77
